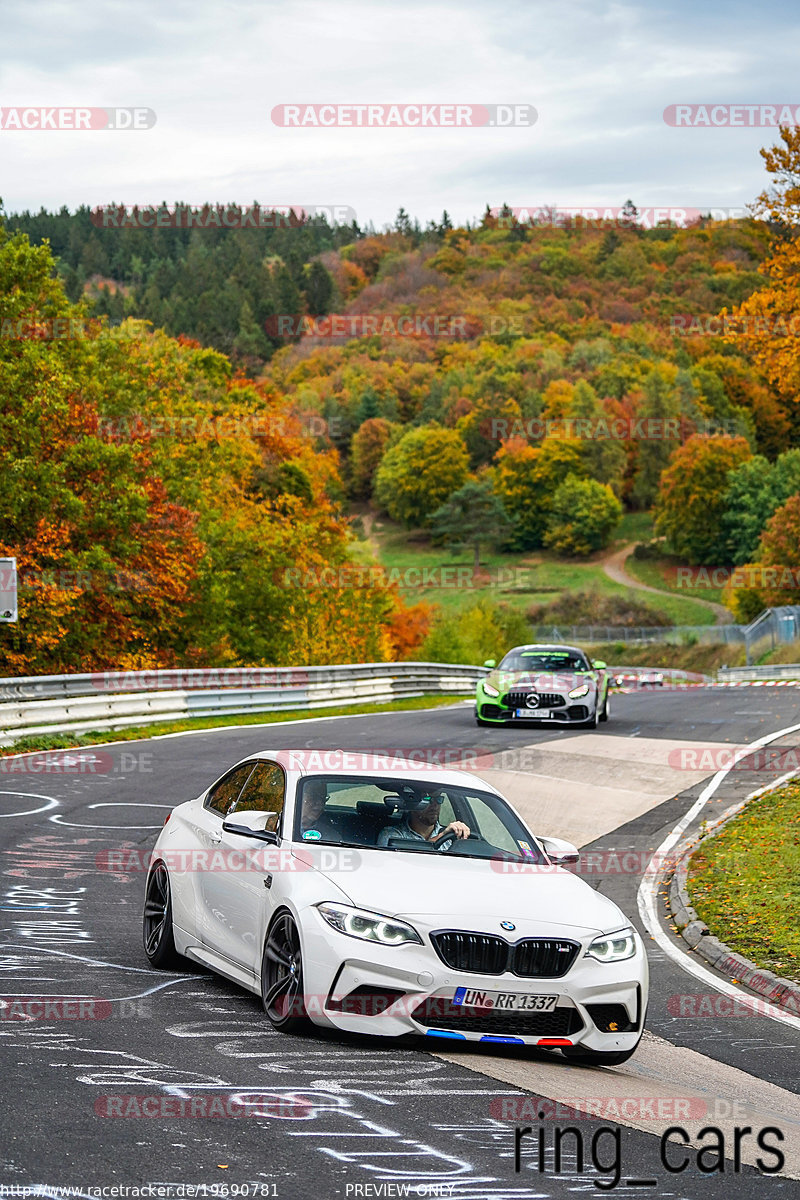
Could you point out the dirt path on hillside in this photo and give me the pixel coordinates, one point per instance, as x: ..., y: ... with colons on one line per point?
x: 614, y: 567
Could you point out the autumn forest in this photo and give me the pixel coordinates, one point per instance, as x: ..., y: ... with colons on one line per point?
x: 192, y: 418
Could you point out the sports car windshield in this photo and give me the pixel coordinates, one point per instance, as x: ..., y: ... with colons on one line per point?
x: 543, y: 660
x: 402, y: 815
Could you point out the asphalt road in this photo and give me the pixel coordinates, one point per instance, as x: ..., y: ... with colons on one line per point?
x: 375, y: 1118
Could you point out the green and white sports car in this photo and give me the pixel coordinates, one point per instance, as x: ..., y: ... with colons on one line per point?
x: 558, y: 685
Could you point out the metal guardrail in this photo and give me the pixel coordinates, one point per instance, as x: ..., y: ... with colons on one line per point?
x: 768, y: 671
x: 116, y: 699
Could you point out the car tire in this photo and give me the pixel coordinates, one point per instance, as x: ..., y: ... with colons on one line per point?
x: 479, y: 721
x: 604, y: 715
x: 597, y: 1058
x: 593, y: 721
x: 282, y: 975
x: 157, y: 934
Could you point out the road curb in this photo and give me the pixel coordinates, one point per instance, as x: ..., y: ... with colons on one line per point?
x: 783, y: 993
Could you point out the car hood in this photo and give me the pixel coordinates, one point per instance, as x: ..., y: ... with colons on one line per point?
x: 473, y: 892
x: 540, y: 681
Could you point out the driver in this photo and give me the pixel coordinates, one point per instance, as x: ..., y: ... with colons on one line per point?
x: 421, y: 820
x: 313, y: 819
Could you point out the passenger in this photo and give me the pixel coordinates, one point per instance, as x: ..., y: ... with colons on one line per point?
x: 421, y: 820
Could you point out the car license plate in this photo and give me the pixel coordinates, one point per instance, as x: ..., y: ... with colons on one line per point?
x: 507, y: 1001
x: 534, y: 713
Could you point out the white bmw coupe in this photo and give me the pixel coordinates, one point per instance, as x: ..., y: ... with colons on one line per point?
x: 387, y: 899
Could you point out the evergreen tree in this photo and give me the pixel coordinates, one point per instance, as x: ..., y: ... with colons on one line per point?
x: 473, y: 516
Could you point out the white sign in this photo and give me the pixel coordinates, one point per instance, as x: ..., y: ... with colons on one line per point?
x: 8, y: 589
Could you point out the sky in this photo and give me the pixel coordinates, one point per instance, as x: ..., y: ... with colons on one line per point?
x: 599, y: 75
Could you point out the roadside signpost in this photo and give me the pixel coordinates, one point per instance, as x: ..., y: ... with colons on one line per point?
x: 8, y: 590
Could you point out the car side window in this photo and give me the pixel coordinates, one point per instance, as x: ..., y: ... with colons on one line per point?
x: 265, y: 791
x: 491, y: 827
x: 223, y: 795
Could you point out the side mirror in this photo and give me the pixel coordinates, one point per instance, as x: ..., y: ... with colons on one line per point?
x: 252, y: 825
x: 598, y: 665
x: 560, y: 853
x: 490, y: 662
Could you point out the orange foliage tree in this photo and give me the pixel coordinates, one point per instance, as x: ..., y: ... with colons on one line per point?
x: 691, y: 497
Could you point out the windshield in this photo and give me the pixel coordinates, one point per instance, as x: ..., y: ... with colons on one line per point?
x: 544, y: 660
x: 399, y: 814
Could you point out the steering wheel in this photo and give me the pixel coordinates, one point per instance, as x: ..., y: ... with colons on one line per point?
x: 445, y: 840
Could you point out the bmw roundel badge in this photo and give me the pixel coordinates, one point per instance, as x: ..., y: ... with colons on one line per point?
x: 507, y: 925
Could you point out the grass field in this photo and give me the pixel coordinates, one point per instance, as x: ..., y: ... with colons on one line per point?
x: 522, y: 580
x: 662, y: 573
x: 745, y: 882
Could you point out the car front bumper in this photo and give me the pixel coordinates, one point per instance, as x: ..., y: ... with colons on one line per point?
x: 570, y: 713
x: 392, y: 991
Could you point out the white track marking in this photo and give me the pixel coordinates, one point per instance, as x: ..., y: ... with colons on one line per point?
x: 51, y: 803
x: 58, y: 819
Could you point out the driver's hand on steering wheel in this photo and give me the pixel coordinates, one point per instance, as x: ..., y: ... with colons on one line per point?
x: 458, y: 828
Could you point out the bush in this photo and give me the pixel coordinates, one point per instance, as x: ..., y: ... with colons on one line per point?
x: 483, y: 631
x: 584, y: 515
x: 596, y: 608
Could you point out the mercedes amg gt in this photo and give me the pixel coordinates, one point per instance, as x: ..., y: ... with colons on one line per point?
x: 556, y: 684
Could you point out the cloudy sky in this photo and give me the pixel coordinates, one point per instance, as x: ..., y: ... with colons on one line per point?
x: 599, y: 74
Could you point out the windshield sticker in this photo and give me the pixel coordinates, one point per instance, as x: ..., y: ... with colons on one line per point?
x: 312, y: 835
x: 525, y: 848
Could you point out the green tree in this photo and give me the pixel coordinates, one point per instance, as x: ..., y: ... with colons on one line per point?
x: 418, y: 474
x: 755, y: 491
x: 318, y: 289
x: 250, y: 340
x: 526, y: 479
x: 473, y: 516
x: 773, y: 580
x: 660, y: 408
x: 605, y: 458
x: 367, y: 448
x: 583, y: 517
x: 691, y: 498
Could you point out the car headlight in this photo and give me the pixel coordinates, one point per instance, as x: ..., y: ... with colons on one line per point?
x: 490, y: 691
x: 370, y: 927
x: 613, y: 947
x: 581, y: 690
